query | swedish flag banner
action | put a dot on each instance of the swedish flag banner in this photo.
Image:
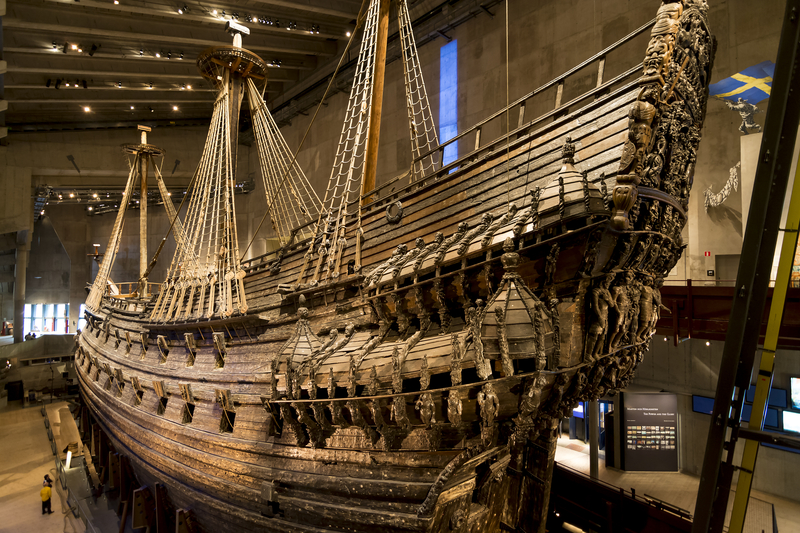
(752, 84)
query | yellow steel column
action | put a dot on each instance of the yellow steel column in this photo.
(767, 364)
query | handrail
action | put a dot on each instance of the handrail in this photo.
(558, 79)
(544, 87)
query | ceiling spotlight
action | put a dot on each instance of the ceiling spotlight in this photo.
(169, 55)
(174, 108)
(67, 84)
(214, 12)
(87, 109)
(48, 82)
(54, 46)
(151, 110)
(248, 18)
(41, 212)
(90, 208)
(150, 86)
(116, 2)
(183, 86)
(58, 82)
(74, 46)
(80, 48)
(189, 87)
(223, 13)
(94, 195)
(119, 85)
(708, 343)
(348, 34)
(141, 52)
(235, 15)
(92, 50)
(181, 55)
(132, 107)
(72, 195)
(158, 54)
(182, 10)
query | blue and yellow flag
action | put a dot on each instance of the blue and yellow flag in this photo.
(752, 84)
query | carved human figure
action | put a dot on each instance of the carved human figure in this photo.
(657, 305)
(600, 302)
(645, 307)
(622, 304)
(632, 322)
(532, 399)
(550, 264)
(426, 409)
(454, 407)
(489, 404)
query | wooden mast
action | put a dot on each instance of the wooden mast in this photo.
(374, 133)
(144, 158)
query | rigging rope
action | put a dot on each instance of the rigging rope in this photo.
(359, 21)
(420, 118)
(99, 284)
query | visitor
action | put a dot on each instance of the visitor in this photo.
(45, 494)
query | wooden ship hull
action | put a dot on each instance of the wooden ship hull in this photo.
(413, 382)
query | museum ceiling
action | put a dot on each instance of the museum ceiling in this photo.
(83, 64)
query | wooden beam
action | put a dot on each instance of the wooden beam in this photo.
(183, 521)
(374, 134)
(113, 470)
(161, 509)
(143, 508)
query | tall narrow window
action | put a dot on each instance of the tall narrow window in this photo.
(448, 99)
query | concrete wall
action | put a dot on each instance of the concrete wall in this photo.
(693, 368)
(48, 277)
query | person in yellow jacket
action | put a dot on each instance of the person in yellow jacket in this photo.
(45, 493)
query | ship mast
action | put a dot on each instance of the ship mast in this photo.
(144, 161)
(373, 136)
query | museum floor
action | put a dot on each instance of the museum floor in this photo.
(26, 458)
(680, 489)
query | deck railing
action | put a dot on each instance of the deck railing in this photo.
(517, 109)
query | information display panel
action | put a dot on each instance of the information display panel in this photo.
(651, 432)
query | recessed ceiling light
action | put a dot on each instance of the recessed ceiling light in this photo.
(132, 107)
(87, 109)
(90, 208)
(348, 34)
(158, 54)
(74, 46)
(189, 87)
(94, 195)
(71, 195)
(174, 108)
